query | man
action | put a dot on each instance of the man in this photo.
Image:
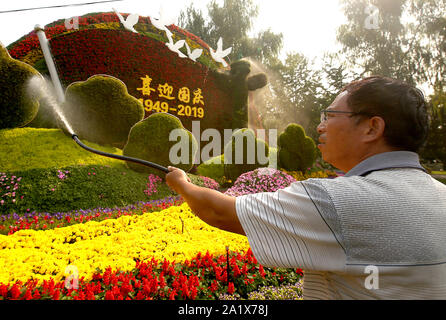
(379, 232)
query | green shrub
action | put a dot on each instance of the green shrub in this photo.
(29, 148)
(17, 106)
(238, 156)
(79, 187)
(296, 151)
(100, 110)
(273, 158)
(149, 140)
(212, 168)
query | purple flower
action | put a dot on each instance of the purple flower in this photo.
(260, 180)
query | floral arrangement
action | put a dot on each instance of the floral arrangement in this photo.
(152, 184)
(204, 276)
(14, 222)
(148, 57)
(26, 46)
(173, 234)
(260, 180)
(210, 183)
(9, 186)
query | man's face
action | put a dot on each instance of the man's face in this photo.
(339, 135)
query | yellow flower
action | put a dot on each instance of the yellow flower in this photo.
(172, 234)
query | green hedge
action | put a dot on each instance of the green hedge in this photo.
(17, 106)
(296, 151)
(84, 187)
(149, 140)
(101, 110)
(233, 169)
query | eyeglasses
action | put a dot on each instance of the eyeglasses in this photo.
(325, 112)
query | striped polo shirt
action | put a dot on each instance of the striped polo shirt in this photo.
(379, 232)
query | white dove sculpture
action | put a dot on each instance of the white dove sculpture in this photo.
(175, 47)
(220, 54)
(194, 55)
(132, 19)
(162, 22)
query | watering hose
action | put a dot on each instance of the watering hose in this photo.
(115, 156)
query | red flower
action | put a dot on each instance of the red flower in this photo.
(214, 286)
(56, 295)
(231, 288)
(109, 295)
(15, 292)
(3, 290)
(262, 271)
(172, 294)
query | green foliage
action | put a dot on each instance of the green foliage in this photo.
(53, 174)
(296, 89)
(101, 110)
(297, 152)
(435, 147)
(149, 140)
(82, 187)
(242, 153)
(406, 49)
(212, 168)
(17, 106)
(236, 83)
(30, 148)
(232, 20)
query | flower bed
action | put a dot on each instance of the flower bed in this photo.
(152, 250)
(28, 45)
(202, 277)
(14, 222)
(173, 234)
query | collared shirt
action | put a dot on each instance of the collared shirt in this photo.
(386, 160)
(386, 215)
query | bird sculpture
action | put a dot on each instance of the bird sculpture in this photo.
(219, 54)
(128, 23)
(175, 47)
(195, 54)
(162, 22)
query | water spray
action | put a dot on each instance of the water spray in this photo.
(40, 85)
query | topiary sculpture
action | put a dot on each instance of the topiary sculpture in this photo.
(150, 139)
(242, 153)
(17, 106)
(296, 151)
(212, 168)
(100, 110)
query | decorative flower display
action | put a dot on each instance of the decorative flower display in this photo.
(102, 45)
(260, 180)
(172, 234)
(32, 220)
(204, 276)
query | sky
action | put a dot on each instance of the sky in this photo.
(308, 26)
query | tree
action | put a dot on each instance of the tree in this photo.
(435, 147)
(406, 40)
(296, 90)
(232, 22)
